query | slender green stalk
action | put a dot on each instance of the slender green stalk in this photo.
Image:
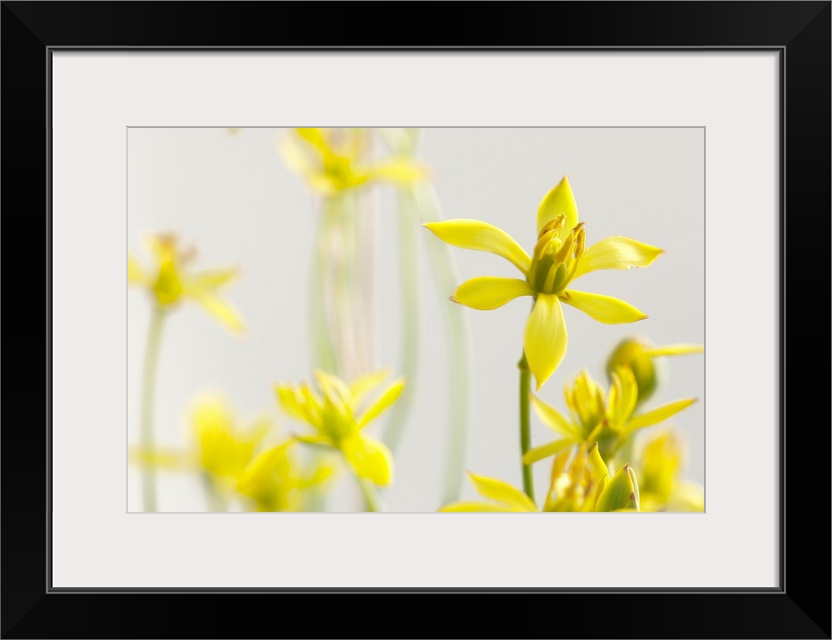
(323, 351)
(459, 349)
(216, 503)
(146, 438)
(525, 424)
(370, 496)
(410, 297)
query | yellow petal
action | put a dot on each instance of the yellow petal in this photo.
(316, 441)
(223, 312)
(558, 200)
(486, 292)
(687, 496)
(554, 419)
(623, 395)
(369, 458)
(474, 507)
(335, 390)
(171, 459)
(674, 350)
(135, 274)
(597, 462)
(544, 340)
(502, 492)
(212, 279)
(293, 403)
(658, 415)
(315, 137)
(390, 395)
(617, 252)
(401, 171)
(481, 236)
(360, 387)
(298, 158)
(545, 450)
(604, 309)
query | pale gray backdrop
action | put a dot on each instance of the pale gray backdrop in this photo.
(232, 196)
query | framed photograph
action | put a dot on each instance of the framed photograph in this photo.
(315, 314)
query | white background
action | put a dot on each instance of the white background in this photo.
(97, 95)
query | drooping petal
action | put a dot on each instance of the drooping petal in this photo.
(658, 415)
(546, 450)
(486, 292)
(502, 492)
(544, 339)
(617, 252)
(390, 395)
(558, 200)
(674, 350)
(604, 309)
(481, 236)
(212, 279)
(135, 274)
(316, 441)
(554, 419)
(223, 312)
(369, 458)
(401, 171)
(475, 507)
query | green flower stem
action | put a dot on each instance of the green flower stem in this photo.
(370, 496)
(411, 295)
(323, 350)
(459, 350)
(525, 424)
(146, 439)
(216, 503)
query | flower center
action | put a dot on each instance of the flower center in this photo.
(556, 259)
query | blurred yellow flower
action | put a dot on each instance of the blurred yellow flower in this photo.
(662, 488)
(169, 281)
(640, 355)
(237, 460)
(555, 262)
(338, 416)
(332, 161)
(608, 421)
(580, 481)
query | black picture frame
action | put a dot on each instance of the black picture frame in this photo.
(798, 608)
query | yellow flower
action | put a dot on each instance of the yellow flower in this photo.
(338, 416)
(332, 161)
(608, 421)
(640, 355)
(559, 257)
(662, 488)
(169, 281)
(580, 482)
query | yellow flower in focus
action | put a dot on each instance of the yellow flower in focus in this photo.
(559, 257)
(333, 160)
(337, 413)
(610, 421)
(169, 281)
(640, 355)
(580, 482)
(662, 488)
